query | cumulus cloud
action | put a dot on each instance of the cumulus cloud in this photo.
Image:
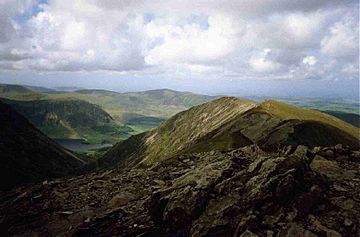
(190, 43)
(309, 60)
(342, 40)
(285, 39)
(9, 10)
(263, 63)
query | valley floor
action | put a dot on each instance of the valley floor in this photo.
(244, 192)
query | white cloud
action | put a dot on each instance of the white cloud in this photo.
(8, 10)
(190, 43)
(294, 30)
(342, 40)
(308, 39)
(309, 60)
(263, 63)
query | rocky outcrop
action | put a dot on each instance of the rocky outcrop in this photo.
(244, 192)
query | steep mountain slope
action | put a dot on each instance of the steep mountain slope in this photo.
(66, 118)
(229, 123)
(27, 155)
(136, 112)
(132, 113)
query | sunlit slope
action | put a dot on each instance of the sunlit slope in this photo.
(183, 129)
(177, 133)
(288, 112)
(229, 123)
(131, 113)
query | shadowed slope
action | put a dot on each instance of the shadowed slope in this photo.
(27, 155)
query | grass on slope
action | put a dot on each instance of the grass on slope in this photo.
(187, 126)
(71, 118)
(230, 123)
(180, 131)
(18, 92)
(132, 113)
(286, 112)
(156, 103)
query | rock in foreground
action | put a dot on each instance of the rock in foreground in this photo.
(243, 192)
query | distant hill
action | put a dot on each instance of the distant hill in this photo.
(137, 112)
(40, 89)
(157, 103)
(141, 111)
(131, 113)
(229, 123)
(27, 155)
(5, 89)
(12, 88)
(68, 118)
(20, 92)
(68, 88)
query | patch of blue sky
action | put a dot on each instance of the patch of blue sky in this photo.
(148, 17)
(36, 8)
(200, 19)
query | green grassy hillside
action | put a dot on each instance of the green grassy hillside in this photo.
(19, 92)
(71, 118)
(183, 129)
(131, 113)
(138, 112)
(287, 112)
(229, 123)
(155, 103)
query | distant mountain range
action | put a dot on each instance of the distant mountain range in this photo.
(72, 114)
(119, 115)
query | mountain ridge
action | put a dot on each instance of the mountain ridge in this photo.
(228, 167)
(230, 123)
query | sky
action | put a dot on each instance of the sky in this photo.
(300, 48)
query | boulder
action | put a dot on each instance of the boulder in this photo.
(120, 200)
(294, 230)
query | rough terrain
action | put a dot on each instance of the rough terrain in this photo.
(243, 192)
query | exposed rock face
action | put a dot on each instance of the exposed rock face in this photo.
(26, 154)
(243, 192)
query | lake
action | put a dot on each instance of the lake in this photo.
(79, 144)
